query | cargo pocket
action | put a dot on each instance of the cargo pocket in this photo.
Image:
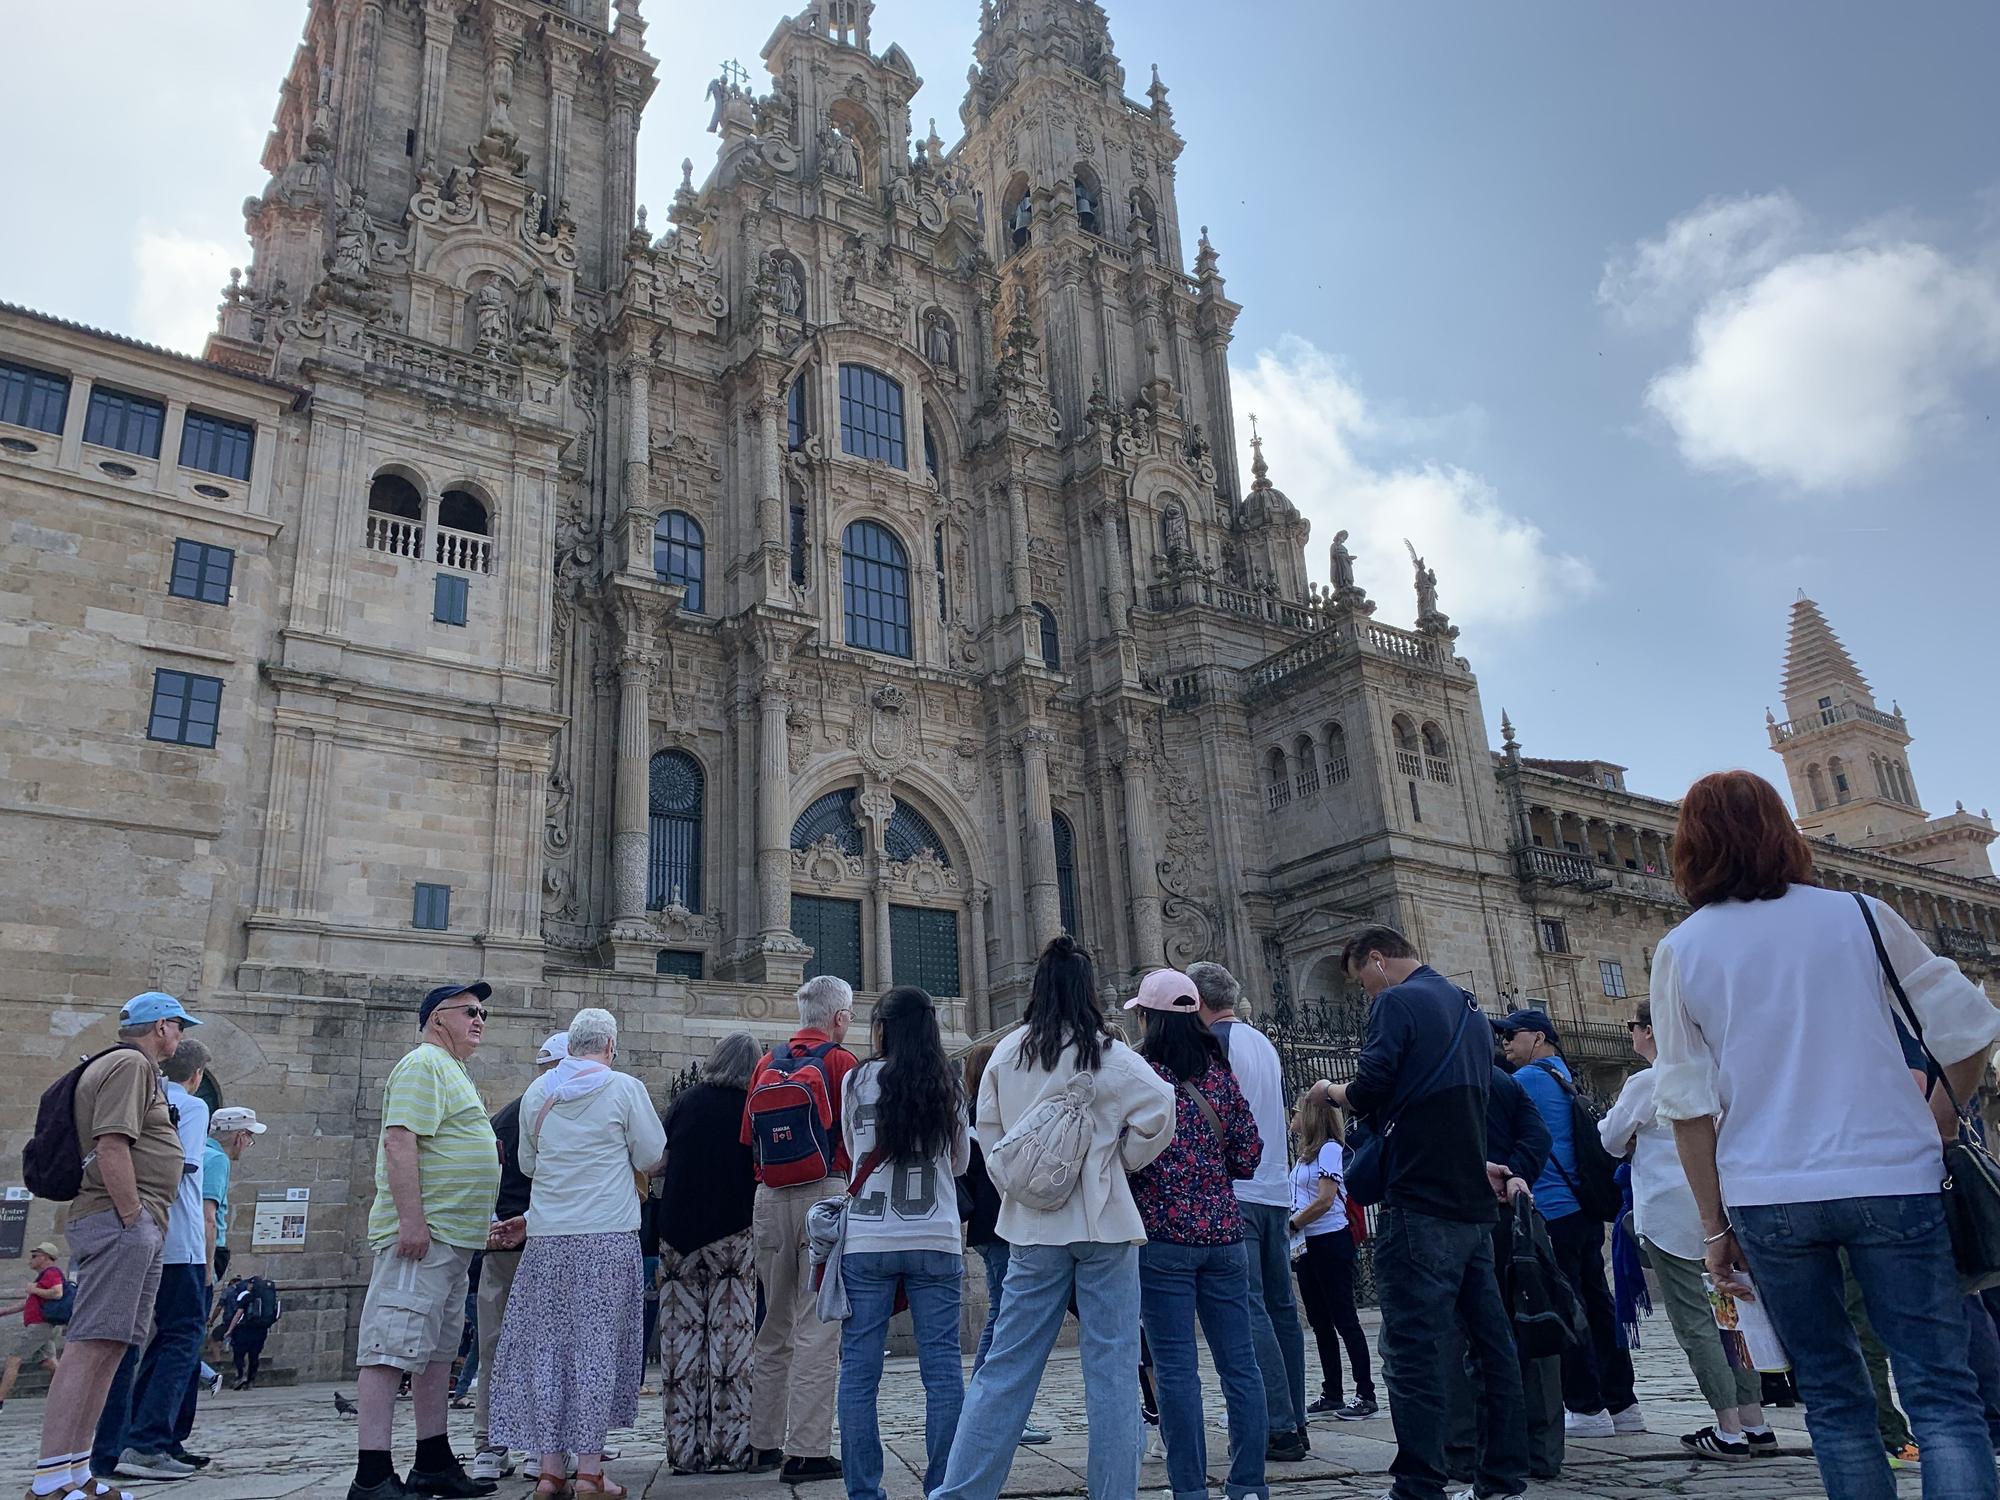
(395, 1328)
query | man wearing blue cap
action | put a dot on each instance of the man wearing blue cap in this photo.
(437, 1171)
(117, 1228)
(1597, 1376)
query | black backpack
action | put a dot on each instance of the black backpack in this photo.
(1595, 1182)
(260, 1303)
(52, 1161)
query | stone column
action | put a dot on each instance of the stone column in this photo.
(440, 21)
(771, 470)
(774, 810)
(978, 1003)
(630, 80)
(1044, 896)
(358, 93)
(638, 433)
(1017, 531)
(564, 73)
(1141, 867)
(876, 805)
(1117, 599)
(630, 836)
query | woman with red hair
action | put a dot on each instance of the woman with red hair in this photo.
(1782, 1071)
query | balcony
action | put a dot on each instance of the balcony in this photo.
(1307, 782)
(1336, 770)
(1963, 943)
(1840, 713)
(1277, 795)
(1183, 593)
(465, 550)
(395, 535)
(1410, 763)
(1546, 865)
(1437, 769)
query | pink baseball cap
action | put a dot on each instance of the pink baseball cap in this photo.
(1166, 989)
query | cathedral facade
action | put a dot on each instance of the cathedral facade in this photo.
(854, 575)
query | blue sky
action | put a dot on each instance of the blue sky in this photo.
(1635, 319)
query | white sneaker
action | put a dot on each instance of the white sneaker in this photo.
(492, 1464)
(1629, 1420)
(1589, 1424)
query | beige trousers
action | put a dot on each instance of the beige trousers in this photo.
(795, 1364)
(496, 1280)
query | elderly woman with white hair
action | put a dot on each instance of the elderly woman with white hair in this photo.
(572, 1347)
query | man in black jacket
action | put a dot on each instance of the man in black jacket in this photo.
(1422, 1079)
(1517, 1147)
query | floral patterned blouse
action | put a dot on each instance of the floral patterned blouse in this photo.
(1184, 1194)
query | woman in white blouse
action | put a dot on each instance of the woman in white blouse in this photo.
(1668, 1224)
(1772, 1012)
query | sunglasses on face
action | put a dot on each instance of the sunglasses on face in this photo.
(476, 1012)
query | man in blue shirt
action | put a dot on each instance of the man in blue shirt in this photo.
(1597, 1378)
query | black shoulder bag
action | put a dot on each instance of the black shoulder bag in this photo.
(1971, 1184)
(1368, 1163)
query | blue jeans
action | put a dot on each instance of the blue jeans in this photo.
(146, 1393)
(1177, 1283)
(994, 1258)
(1430, 1271)
(1040, 1280)
(1274, 1314)
(1901, 1257)
(933, 1281)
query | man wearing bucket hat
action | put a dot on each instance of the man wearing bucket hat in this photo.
(436, 1173)
(117, 1229)
(230, 1130)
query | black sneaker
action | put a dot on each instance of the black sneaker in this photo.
(389, 1489)
(1285, 1448)
(1762, 1444)
(1360, 1409)
(1708, 1443)
(448, 1484)
(809, 1470)
(197, 1460)
(764, 1460)
(1324, 1407)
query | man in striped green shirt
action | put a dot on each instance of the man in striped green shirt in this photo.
(437, 1171)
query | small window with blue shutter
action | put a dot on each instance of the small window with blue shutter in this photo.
(433, 907)
(449, 608)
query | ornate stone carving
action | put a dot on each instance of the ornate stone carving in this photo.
(825, 864)
(1191, 921)
(176, 969)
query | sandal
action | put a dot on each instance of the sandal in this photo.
(597, 1484)
(551, 1489)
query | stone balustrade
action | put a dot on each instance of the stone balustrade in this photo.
(1827, 718)
(465, 550)
(395, 535)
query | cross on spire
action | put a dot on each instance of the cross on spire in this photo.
(734, 74)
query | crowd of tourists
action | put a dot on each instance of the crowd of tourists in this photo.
(1142, 1173)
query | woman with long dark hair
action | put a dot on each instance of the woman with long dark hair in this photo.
(1775, 1010)
(903, 1117)
(1326, 1263)
(1193, 1263)
(1085, 1245)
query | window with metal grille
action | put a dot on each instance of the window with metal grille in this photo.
(1613, 975)
(875, 588)
(185, 708)
(431, 908)
(1555, 935)
(448, 605)
(831, 815)
(798, 519)
(871, 415)
(910, 831)
(201, 572)
(121, 420)
(832, 929)
(923, 948)
(1051, 641)
(674, 808)
(682, 963)
(33, 398)
(677, 555)
(216, 445)
(1066, 873)
(795, 414)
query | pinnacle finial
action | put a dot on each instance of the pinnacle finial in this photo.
(1260, 471)
(1507, 740)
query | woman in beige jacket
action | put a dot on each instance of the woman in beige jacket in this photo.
(1088, 1248)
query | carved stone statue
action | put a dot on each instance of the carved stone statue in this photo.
(1427, 588)
(353, 238)
(1343, 563)
(490, 309)
(791, 293)
(838, 152)
(938, 342)
(541, 301)
(1176, 531)
(903, 192)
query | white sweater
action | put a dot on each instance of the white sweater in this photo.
(1132, 1120)
(1663, 1206)
(1775, 1015)
(583, 1155)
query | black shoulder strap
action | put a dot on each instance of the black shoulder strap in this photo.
(1450, 1052)
(1903, 1000)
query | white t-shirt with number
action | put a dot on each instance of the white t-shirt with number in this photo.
(905, 1205)
(1306, 1178)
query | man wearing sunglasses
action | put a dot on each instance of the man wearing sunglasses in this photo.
(437, 1171)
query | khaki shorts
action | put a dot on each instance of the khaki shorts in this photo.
(35, 1342)
(117, 1273)
(415, 1309)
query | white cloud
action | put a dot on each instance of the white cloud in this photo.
(1722, 243)
(1828, 368)
(179, 280)
(1494, 567)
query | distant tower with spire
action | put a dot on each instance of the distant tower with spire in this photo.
(1848, 760)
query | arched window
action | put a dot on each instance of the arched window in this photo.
(1902, 778)
(1336, 755)
(1277, 779)
(1838, 771)
(461, 510)
(796, 516)
(1088, 214)
(673, 806)
(393, 495)
(1305, 776)
(1051, 641)
(871, 415)
(937, 561)
(930, 451)
(796, 430)
(875, 589)
(1409, 752)
(677, 555)
(909, 832)
(1019, 214)
(1816, 786)
(830, 816)
(1066, 873)
(1437, 753)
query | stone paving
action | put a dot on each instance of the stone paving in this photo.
(288, 1443)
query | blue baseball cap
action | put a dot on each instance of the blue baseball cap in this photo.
(479, 990)
(1533, 1019)
(154, 1005)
